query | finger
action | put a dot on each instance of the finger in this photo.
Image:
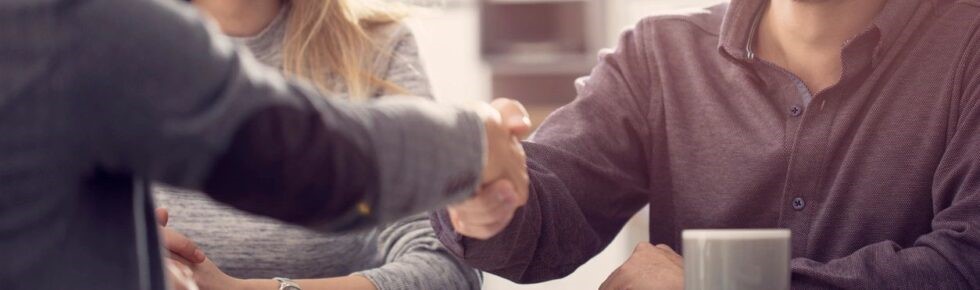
(489, 206)
(484, 232)
(514, 115)
(496, 195)
(181, 245)
(486, 217)
(162, 216)
(516, 172)
(671, 254)
(179, 259)
(642, 246)
(455, 221)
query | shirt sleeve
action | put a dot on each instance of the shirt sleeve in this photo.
(946, 258)
(587, 165)
(168, 98)
(415, 259)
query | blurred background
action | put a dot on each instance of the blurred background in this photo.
(532, 51)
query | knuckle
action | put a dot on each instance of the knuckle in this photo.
(185, 244)
(641, 247)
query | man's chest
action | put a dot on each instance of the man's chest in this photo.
(769, 153)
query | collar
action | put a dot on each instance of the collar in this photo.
(742, 18)
(896, 17)
(738, 28)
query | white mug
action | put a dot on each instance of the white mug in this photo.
(730, 259)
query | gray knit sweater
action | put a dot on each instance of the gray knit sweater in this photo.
(404, 255)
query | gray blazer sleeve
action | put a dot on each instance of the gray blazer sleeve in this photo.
(166, 97)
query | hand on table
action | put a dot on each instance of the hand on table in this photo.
(175, 242)
(505, 180)
(648, 268)
(186, 258)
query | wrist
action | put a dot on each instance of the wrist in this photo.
(257, 284)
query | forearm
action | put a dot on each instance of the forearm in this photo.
(315, 164)
(424, 269)
(353, 282)
(935, 265)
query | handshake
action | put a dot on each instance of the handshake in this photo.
(503, 189)
(504, 183)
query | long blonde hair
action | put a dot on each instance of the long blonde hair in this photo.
(327, 38)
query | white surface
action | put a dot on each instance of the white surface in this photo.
(593, 273)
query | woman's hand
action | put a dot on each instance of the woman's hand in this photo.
(184, 254)
(178, 244)
(209, 277)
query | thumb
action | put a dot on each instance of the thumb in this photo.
(514, 115)
(506, 191)
(162, 216)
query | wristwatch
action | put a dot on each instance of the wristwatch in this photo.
(287, 284)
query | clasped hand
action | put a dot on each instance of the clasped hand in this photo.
(504, 186)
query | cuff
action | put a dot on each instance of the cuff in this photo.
(376, 278)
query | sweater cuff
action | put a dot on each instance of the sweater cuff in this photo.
(378, 279)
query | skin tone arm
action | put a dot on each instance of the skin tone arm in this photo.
(187, 260)
(350, 282)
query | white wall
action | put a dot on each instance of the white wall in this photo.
(449, 42)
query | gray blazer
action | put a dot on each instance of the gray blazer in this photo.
(97, 95)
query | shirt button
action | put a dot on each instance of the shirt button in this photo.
(798, 203)
(795, 111)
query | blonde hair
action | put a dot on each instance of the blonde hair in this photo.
(327, 38)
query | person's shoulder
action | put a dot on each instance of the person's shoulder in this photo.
(391, 36)
(694, 22)
(393, 40)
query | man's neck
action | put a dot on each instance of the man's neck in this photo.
(806, 36)
(241, 18)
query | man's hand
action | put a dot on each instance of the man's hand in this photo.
(177, 243)
(505, 179)
(649, 268)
